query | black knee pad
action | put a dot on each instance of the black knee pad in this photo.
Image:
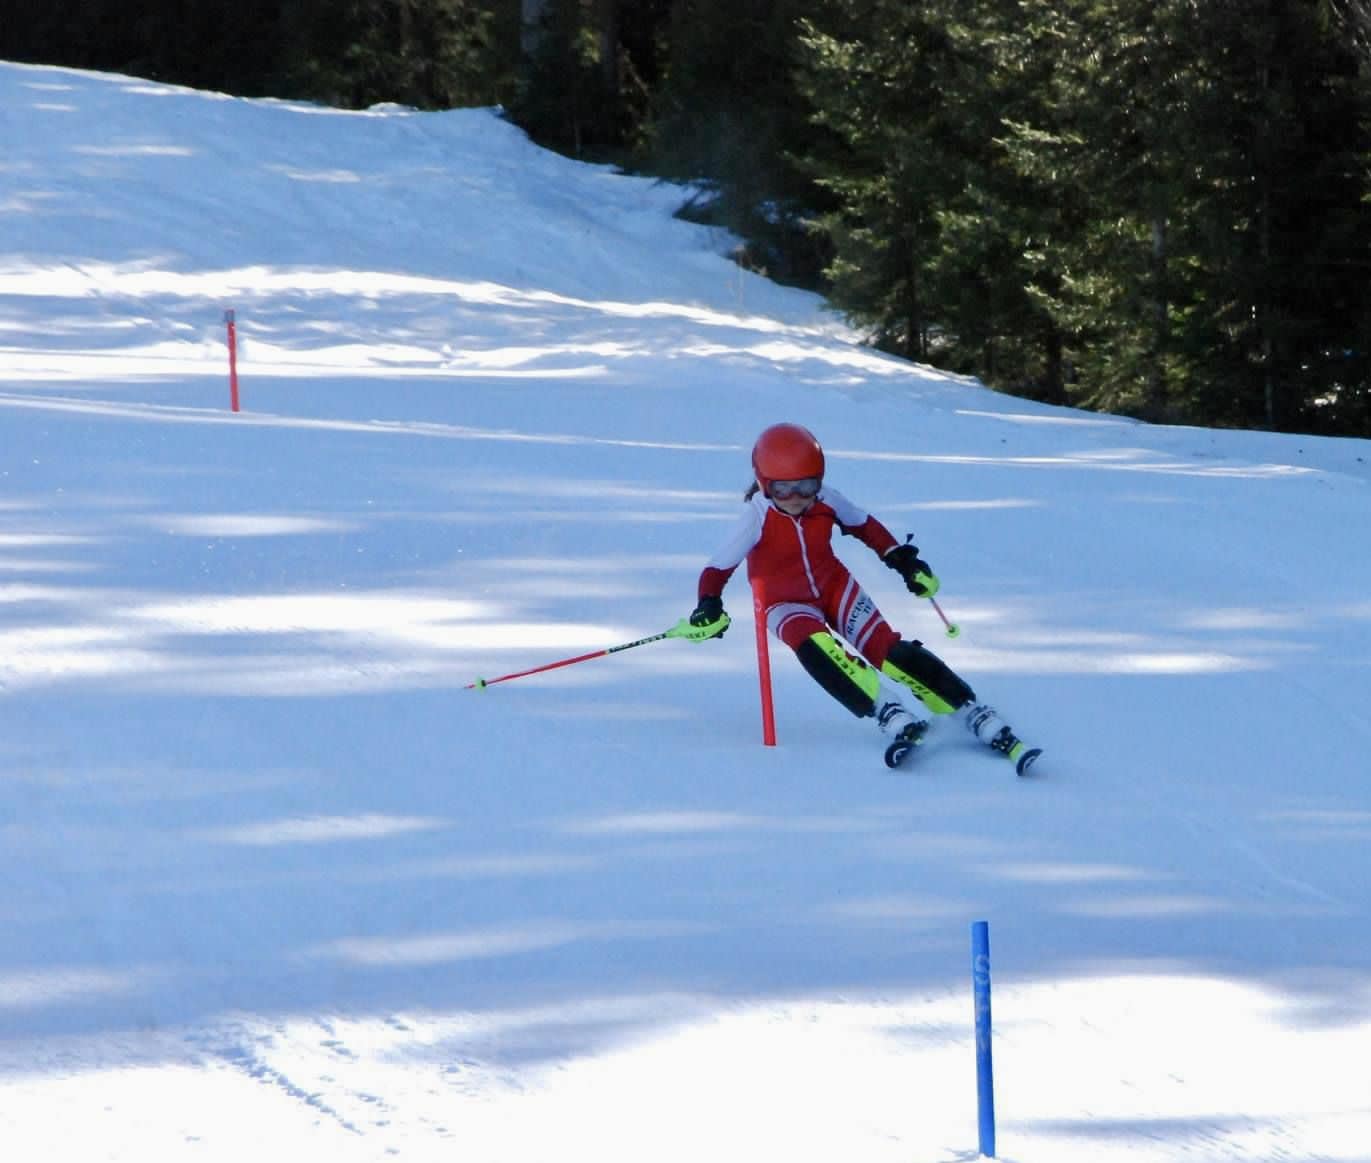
(929, 672)
(847, 679)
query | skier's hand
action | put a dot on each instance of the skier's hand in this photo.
(708, 619)
(919, 577)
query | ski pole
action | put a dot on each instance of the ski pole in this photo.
(682, 629)
(952, 628)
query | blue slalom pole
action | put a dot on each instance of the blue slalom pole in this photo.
(985, 1073)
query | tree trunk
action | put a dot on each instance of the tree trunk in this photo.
(607, 31)
(916, 343)
(531, 25)
(1265, 313)
(1053, 386)
(1156, 374)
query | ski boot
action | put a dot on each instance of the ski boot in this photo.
(983, 722)
(908, 732)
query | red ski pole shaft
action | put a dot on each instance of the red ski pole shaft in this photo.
(952, 628)
(482, 683)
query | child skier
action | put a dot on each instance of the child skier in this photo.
(815, 606)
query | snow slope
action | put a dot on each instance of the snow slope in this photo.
(276, 886)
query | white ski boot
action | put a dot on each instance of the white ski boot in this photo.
(984, 722)
(907, 730)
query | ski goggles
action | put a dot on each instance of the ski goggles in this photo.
(784, 490)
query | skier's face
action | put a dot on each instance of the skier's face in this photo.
(792, 506)
(794, 497)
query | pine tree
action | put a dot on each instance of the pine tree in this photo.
(877, 77)
(432, 54)
(1289, 203)
(726, 115)
(1192, 177)
(580, 90)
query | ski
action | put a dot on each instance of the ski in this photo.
(912, 735)
(899, 751)
(905, 744)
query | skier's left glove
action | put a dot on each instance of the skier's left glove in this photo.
(708, 619)
(919, 577)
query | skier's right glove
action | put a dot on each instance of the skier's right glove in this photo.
(919, 577)
(708, 619)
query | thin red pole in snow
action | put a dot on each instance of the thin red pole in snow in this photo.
(233, 359)
(763, 666)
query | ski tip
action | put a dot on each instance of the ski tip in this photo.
(1027, 760)
(908, 740)
(897, 753)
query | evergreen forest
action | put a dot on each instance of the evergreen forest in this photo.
(1160, 208)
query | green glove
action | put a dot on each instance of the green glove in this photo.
(919, 578)
(708, 619)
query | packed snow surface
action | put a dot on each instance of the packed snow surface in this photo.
(277, 885)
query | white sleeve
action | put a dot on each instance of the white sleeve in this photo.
(746, 533)
(849, 515)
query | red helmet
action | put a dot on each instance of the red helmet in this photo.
(786, 452)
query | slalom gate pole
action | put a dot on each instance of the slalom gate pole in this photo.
(764, 667)
(680, 630)
(233, 359)
(985, 1075)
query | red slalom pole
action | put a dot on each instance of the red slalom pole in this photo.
(682, 629)
(233, 359)
(764, 667)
